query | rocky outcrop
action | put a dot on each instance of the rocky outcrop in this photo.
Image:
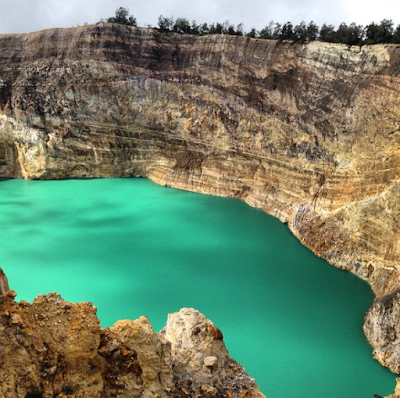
(53, 348)
(382, 329)
(4, 289)
(308, 133)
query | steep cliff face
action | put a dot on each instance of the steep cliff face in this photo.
(308, 133)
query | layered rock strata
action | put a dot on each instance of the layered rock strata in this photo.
(53, 348)
(308, 133)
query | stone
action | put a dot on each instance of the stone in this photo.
(16, 319)
(51, 370)
(210, 361)
(208, 390)
(200, 361)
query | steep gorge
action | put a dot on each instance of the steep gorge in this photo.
(308, 133)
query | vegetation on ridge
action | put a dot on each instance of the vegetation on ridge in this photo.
(351, 34)
(122, 17)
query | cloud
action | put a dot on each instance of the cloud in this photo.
(30, 15)
(372, 11)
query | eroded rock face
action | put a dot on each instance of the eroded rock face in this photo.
(200, 360)
(382, 328)
(53, 348)
(308, 133)
(4, 289)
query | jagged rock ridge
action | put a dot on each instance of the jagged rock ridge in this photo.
(53, 348)
(308, 133)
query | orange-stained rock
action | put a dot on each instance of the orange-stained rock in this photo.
(53, 348)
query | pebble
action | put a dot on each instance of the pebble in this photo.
(210, 361)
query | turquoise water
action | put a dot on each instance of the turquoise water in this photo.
(134, 248)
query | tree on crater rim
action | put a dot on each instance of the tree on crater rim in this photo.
(122, 17)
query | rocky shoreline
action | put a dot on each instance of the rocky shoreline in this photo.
(308, 133)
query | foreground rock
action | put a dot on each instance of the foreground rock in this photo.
(52, 348)
(308, 133)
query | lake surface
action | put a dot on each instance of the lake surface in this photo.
(134, 248)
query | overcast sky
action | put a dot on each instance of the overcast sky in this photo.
(18, 16)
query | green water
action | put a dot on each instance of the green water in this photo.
(134, 248)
